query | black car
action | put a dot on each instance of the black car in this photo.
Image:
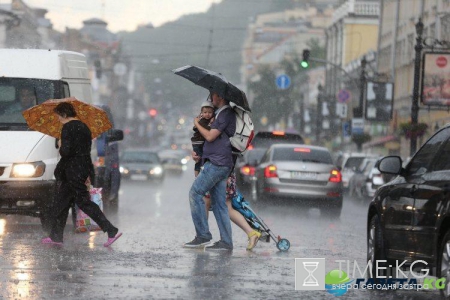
(409, 217)
(245, 167)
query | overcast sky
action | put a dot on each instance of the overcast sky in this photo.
(119, 14)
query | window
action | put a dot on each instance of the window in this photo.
(421, 162)
(140, 157)
(443, 163)
(302, 154)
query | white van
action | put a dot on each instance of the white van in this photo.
(50, 75)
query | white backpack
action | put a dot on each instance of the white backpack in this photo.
(244, 130)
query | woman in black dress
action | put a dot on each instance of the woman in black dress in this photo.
(74, 171)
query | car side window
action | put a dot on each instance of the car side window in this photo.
(443, 163)
(423, 159)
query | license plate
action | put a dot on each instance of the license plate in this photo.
(138, 177)
(303, 175)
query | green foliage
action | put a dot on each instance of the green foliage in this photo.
(409, 130)
(273, 103)
(360, 139)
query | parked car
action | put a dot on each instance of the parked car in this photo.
(264, 139)
(141, 164)
(349, 163)
(409, 217)
(302, 172)
(361, 184)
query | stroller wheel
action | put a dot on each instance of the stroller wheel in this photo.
(283, 245)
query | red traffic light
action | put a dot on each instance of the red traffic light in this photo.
(152, 112)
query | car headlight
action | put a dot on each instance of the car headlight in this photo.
(156, 170)
(123, 170)
(183, 161)
(26, 170)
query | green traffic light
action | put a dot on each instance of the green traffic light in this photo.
(304, 64)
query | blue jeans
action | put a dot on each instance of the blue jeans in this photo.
(213, 179)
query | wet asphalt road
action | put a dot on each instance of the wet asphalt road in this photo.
(149, 260)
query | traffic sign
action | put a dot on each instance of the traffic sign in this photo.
(283, 81)
(357, 126)
(341, 110)
(346, 129)
(344, 96)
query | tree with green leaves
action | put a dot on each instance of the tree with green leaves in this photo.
(271, 102)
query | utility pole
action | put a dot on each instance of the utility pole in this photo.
(362, 86)
(415, 97)
(211, 33)
(319, 113)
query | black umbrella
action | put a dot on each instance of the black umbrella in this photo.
(237, 96)
(212, 81)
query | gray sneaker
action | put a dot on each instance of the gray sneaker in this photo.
(219, 246)
(197, 242)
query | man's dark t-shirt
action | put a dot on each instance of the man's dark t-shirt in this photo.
(219, 151)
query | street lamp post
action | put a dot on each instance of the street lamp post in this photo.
(362, 85)
(319, 112)
(415, 97)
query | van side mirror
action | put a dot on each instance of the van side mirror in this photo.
(114, 135)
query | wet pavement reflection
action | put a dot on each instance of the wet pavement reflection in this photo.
(150, 262)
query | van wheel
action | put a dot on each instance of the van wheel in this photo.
(443, 269)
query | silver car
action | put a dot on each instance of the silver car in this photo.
(302, 172)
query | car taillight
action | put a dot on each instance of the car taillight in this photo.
(270, 171)
(335, 176)
(250, 147)
(248, 170)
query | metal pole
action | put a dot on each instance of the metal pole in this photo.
(415, 97)
(362, 85)
(319, 113)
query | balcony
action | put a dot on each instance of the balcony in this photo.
(358, 8)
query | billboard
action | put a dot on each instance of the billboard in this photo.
(436, 79)
(379, 101)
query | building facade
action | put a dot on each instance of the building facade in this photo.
(397, 40)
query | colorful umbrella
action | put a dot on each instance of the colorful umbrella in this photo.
(42, 118)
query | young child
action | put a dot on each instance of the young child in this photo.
(207, 114)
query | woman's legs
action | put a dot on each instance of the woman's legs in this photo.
(238, 219)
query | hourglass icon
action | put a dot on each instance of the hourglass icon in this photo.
(310, 267)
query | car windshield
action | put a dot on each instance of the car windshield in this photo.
(17, 95)
(140, 157)
(254, 155)
(302, 154)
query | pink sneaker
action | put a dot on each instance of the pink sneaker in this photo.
(112, 240)
(49, 241)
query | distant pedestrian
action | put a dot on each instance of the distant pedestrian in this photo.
(218, 163)
(74, 171)
(207, 116)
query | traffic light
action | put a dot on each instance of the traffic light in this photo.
(152, 112)
(305, 61)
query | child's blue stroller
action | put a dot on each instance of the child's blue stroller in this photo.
(238, 202)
